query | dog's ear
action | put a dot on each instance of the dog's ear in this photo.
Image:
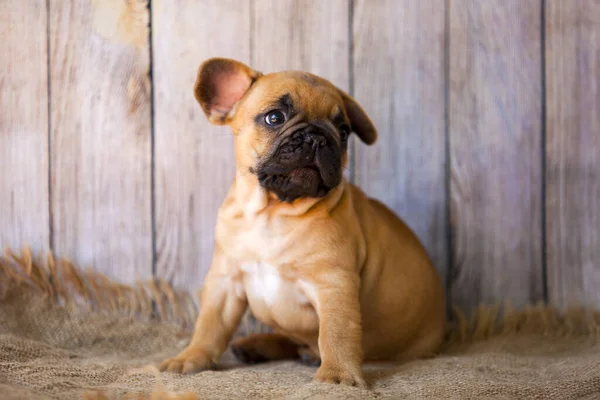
(359, 120)
(220, 84)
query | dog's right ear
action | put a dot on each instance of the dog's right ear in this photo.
(220, 84)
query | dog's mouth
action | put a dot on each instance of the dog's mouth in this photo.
(304, 164)
(310, 170)
(298, 182)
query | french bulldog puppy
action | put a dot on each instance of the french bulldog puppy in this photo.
(337, 275)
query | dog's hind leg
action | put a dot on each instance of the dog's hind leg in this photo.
(309, 357)
(262, 347)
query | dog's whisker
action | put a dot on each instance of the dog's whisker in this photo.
(245, 171)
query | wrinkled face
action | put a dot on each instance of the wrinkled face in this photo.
(291, 128)
(292, 132)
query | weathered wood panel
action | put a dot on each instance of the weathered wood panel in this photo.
(307, 35)
(194, 164)
(101, 135)
(573, 151)
(495, 151)
(23, 125)
(399, 79)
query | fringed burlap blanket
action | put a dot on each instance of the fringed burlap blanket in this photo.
(69, 334)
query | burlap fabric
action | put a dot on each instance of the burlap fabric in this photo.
(66, 334)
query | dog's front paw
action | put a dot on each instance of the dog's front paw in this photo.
(189, 361)
(340, 375)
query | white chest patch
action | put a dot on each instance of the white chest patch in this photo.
(263, 281)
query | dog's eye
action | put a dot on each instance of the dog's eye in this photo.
(344, 131)
(275, 118)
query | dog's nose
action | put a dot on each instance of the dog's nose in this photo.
(315, 139)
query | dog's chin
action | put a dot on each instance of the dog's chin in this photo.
(304, 182)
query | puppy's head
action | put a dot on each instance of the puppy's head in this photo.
(291, 128)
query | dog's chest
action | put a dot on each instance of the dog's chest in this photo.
(264, 285)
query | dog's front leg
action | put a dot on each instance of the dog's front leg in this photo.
(221, 310)
(340, 329)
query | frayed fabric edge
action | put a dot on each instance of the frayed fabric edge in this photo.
(63, 284)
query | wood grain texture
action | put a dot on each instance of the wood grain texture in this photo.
(194, 164)
(399, 79)
(307, 35)
(23, 125)
(495, 151)
(573, 151)
(101, 135)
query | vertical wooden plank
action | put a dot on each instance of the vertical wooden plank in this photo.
(399, 79)
(495, 151)
(101, 132)
(23, 125)
(573, 151)
(194, 164)
(307, 35)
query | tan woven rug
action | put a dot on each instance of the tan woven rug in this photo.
(68, 334)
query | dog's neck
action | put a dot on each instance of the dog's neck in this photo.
(255, 200)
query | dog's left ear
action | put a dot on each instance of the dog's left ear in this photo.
(220, 84)
(359, 120)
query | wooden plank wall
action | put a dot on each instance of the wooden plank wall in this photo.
(495, 135)
(100, 135)
(487, 113)
(24, 125)
(573, 151)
